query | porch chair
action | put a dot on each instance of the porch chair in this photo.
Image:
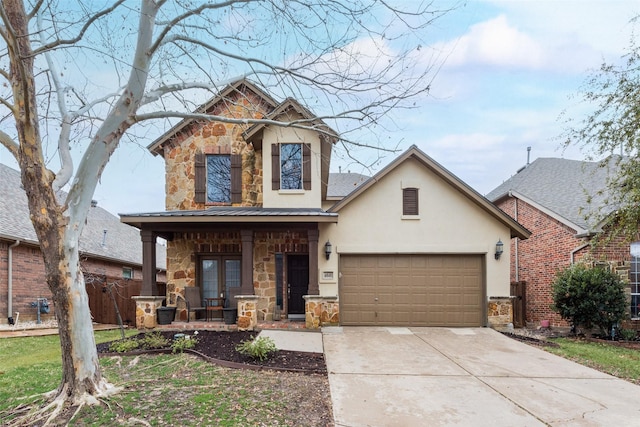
(194, 301)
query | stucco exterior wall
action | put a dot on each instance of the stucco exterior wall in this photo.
(448, 223)
(292, 198)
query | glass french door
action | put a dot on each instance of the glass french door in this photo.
(218, 275)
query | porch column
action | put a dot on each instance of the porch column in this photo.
(246, 284)
(312, 236)
(149, 285)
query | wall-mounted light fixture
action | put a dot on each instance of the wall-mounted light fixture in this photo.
(499, 248)
(327, 249)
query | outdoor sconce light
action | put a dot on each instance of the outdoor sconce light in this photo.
(327, 249)
(499, 248)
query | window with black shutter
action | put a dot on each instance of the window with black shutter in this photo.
(218, 178)
(291, 166)
(410, 201)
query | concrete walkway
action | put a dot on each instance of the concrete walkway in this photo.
(465, 377)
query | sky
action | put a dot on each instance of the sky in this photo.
(511, 69)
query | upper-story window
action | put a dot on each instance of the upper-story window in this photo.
(218, 178)
(410, 201)
(291, 166)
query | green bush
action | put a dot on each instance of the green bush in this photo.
(627, 334)
(259, 348)
(183, 343)
(590, 297)
(123, 346)
(153, 340)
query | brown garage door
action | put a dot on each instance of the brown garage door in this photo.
(412, 290)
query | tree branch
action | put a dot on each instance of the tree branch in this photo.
(83, 30)
(9, 144)
(197, 11)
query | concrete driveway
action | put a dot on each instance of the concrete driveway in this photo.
(465, 377)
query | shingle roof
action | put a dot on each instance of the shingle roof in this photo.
(122, 242)
(341, 184)
(570, 189)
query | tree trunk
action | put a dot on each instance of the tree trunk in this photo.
(57, 233)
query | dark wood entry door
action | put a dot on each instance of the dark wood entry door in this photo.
(297, 282)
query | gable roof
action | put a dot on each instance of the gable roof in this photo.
(122, 242)
(567, 190)
(414, 152)
(156, 146)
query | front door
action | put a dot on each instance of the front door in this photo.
(297, 283)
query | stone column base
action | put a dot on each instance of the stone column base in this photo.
(321, 311)
(500, 311)
(247, 312)
(146, 306)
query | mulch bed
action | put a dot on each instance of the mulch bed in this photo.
(220, 347)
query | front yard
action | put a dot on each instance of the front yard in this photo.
(168, 389)
(617, 361)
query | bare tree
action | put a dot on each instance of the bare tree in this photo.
(80, 76)
(610, 130)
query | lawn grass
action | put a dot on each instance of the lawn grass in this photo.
(32, 365)
(161, 389)
(617, 361)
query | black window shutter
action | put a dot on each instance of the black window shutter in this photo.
(200, 178)
(306, 166)
(236, 178)
(410, 201)
(275, 167)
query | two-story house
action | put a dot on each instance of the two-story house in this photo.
(249, 217)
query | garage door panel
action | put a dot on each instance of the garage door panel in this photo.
(412, 290)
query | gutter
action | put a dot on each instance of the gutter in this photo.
(515, 214)
(10, 283)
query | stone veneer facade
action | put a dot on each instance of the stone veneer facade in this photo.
(184, 249)
(213, 138)
(500, 311)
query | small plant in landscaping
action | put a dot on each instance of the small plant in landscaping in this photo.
(154, 340)
(181, 344)
(590, 297)
(123, 346)
(259, 348)
(627, 334)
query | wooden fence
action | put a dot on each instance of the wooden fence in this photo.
(519, 291)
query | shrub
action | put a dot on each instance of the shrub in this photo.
(181, 344)
(259, 348)
(627, 334)
(589, 297)
(154, 340)
(123, 346)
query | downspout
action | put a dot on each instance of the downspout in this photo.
(515, 245)
(573, 252)
(10, 283)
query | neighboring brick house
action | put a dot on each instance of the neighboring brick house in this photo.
(558, 200)
(255, 219)
(109, 250)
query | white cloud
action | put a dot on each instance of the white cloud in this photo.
(494, 43)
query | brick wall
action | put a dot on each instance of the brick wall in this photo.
(29, 279)
(547, 251)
